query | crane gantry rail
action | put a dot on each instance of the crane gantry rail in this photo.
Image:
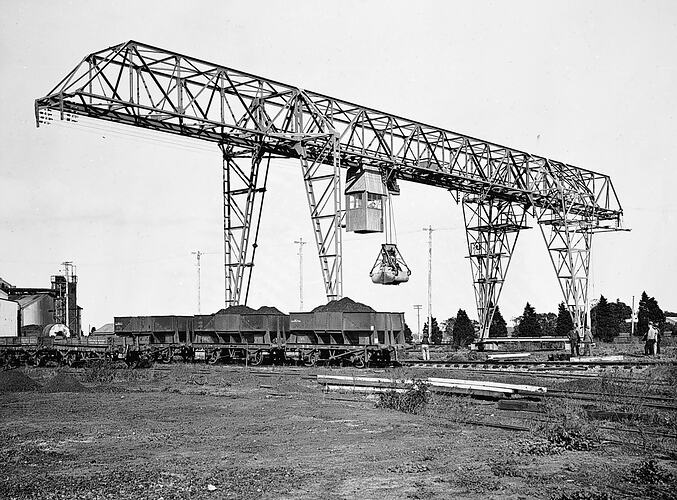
(254, 119)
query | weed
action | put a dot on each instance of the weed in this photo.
(101, 373)
(649, 472)
(414, 400)
(568, 428)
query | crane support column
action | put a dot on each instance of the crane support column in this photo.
(244, 186)
(569, 243)
(322, 179)
(492, 227)
(320, 154)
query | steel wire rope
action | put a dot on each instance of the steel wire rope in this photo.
(129, 132)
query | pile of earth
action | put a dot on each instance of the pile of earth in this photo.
(16, 381)
(249, 310)
(64, 383)
(346, 304)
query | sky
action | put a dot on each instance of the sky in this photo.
(588, 83)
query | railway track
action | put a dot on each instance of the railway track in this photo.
(537, 365)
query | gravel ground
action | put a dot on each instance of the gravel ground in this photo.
(217, 432)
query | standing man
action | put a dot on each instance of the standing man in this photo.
(425, 349)
(651, 336)
(587, 342)
(573, 341)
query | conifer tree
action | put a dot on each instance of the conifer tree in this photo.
(528, 325)
(648, 311)
(564, 322)
(498, 326)
(604, 325)
(463, 332)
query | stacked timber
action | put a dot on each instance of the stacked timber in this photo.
(440, 385)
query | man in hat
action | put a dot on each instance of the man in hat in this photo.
(651, 337)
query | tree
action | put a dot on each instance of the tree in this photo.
(548, 322)
(648, 311)
(604, 324)
(564, 322)
(498, 326)
(448, 330)
(463, 331)
(436, 337)
(621, 312)
(408, 337)
(529, 325)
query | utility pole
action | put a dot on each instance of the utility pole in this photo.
(430, 278)
(300, 243)
(633, 317)
(418, 319)
(198, 254)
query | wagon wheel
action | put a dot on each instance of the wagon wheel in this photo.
(213, 358)
(358, 362)
(310, 360)
(71, 358)
(38, 359)
(256, 358)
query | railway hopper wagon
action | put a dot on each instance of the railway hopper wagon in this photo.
(264, 335)
(358, 338)
(249, 337)
(155, 338)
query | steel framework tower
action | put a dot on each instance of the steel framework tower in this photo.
(254, 119)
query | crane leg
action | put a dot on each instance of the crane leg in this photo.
(322, 178)
(245, 174)
(492, 227)
(569, 241)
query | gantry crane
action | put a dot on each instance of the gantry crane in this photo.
(253, 120)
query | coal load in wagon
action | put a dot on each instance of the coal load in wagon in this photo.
(63, 383)
(237, 310)
(269, 310)
(16, 381)
(346, 304)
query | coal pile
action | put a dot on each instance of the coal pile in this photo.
(244, 310)
(237, 310)
(64, 383)
(16, 381)
(268, 310)
(346, 304)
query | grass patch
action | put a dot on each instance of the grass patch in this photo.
(413, 400)
(649, 472)
(567, 428)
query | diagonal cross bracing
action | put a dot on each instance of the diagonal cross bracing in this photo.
(492, 227)
(148, 87)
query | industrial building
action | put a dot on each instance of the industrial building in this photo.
(28, 311)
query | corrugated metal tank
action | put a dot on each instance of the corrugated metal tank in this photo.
(36, 309)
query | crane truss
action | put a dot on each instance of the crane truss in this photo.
(152, 88)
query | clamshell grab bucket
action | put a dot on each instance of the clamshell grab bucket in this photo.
(389, 268)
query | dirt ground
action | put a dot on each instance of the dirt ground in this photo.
(226, 432)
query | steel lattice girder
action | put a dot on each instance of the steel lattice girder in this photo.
(492, 228)
(244, 188)
(149, 87)
(152, 88)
